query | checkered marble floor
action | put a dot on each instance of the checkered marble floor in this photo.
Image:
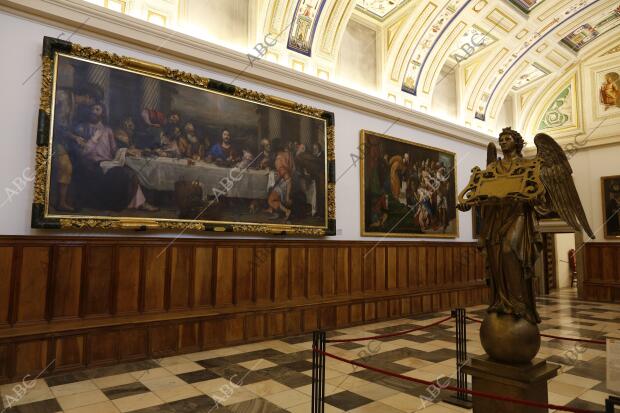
(275, 376)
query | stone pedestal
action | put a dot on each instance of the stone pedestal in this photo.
(521, 381)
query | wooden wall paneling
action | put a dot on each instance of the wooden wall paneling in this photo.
(69, 353)
(102, 348)
(416, 304)
(471, 259)
(163, 340)
(431, 266)
(382, 309)
(6, 271)
(33, 280)
(608, 263)
(357, 269)
(328, 317)
(233, 330)
(128, 279)
(328, 279)
(97, 298)
(154, 278)
(310, 319)
(181, 277)
(275, 324)
(448, 269)
(394, 307)
(189, 337)
(405, 306)
(427, 306)
(403, 267)
(5, 361)
(413, 267)
(254, 327)
(436, 302)
(342, 315)
(293, 322)
(213, 334)
(282, 273)
(423, 268)
(315, 269)
(464, 263)
(31, 357)
(298, 273)
(441, 264)
(67, 282)
(203, 277)
(133, 343)
(263, 260)
(224, 276)
(244, 275)
(479, 264)
(370, 311)
(343, 276)
(380, 267)
(368, 259)
(357, 313)
(392, 268)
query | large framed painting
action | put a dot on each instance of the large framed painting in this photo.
(407, 189)
(124, 143)
(610, 187)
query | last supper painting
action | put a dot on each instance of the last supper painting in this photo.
(134, 144)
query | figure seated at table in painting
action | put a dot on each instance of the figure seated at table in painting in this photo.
(190, 146)
(115, 188)
(223, 153)
(169, 142)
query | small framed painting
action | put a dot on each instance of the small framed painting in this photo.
(407, 189)
(610, 188)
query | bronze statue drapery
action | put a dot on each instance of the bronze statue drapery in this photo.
(511, 192)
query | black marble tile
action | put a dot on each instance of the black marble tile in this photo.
(162, 408)
(348, 346)
(592, 369)
(252, 355)
(66, 378)
(436, 356)
(44, 406)
(290, 378)
(214, 362)
(199, 375)
(603, 388)
(125, 390)
(301, 365)
(198, 404)
(297, 339)
(255, 406)
(122, 368)
(582, 404)
(231, 372)
(346, 400)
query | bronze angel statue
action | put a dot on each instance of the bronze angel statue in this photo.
(512, 193)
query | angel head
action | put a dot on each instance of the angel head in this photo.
(511, 141)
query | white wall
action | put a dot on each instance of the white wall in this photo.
(589, 165)
(563, 243)
(20, 84)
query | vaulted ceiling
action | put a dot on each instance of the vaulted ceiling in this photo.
(485, 64)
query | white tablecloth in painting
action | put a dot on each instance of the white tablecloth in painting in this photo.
(162, 173)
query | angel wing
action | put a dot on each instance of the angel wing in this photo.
(556, 176)
(491, 153)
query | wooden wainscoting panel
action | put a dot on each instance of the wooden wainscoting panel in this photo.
(31, 358)
(244, 275)
(67, 282)
(263, 260)
(164, 340)
(98, 281)
(6, 271)
(203, 277)
(69, 353)
(128, 280)
(282, 272)
(103, 348)
(33, 281)
(601, 278)
(104, 300)
(154, 270)
(224, 276)
(181, 277)
(133, 343)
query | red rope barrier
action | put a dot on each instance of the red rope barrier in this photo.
(400, 333)
(583, 340)
(458, 389)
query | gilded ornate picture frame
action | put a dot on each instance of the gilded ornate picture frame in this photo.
(127, 144)
(406, 189)
(610, 191)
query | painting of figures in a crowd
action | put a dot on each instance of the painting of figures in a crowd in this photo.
(611, 205)
(127, 145)
(408, 190)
